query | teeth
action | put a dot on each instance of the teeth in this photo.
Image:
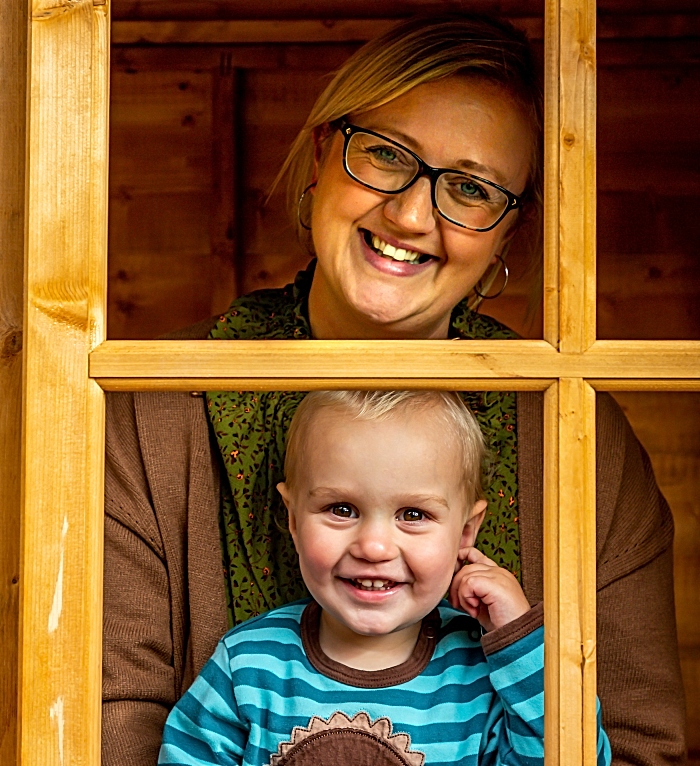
(397, 253)
(374, 584)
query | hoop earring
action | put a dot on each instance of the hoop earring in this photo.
(301, 199)
(505, 282)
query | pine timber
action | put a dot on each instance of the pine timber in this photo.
(135, 363)
(63, 418)
(64, 323)
(569, 574)
(13, 65)
(570, 262)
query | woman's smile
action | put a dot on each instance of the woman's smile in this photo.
(393, 257)
(389, 265)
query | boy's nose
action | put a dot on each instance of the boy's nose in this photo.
(374, 542)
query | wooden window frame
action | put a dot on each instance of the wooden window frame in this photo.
(69, 364)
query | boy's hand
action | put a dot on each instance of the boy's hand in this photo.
(486, 591)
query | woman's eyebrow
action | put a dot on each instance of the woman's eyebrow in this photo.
(470, 165)
(477, 167)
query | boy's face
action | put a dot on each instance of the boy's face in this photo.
(378, 514)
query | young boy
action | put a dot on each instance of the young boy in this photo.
(383, 491)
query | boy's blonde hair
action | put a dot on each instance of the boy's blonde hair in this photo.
(382, 405)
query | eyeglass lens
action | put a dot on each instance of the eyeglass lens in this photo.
(459, 197)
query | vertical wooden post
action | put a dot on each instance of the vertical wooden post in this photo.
(570, 175)
(577, 175)
(63, 418)
(570, 595)
(551, 173)
(13, 75)
(570, 305)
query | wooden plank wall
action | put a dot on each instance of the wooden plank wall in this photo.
(187, 230)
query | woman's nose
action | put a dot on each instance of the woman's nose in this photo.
(374, 542)
(412, 210)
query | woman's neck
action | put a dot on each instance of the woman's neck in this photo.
(366, 652)
(330, 319)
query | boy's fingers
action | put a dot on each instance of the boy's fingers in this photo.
(475, 556)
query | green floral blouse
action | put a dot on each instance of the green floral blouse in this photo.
(260, 563)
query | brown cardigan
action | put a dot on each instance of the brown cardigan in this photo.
(164, 602)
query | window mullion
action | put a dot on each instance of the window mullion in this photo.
(570, 574)
(63, 410)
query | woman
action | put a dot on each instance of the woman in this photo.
(415, 169)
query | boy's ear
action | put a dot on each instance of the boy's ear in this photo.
(471, 527)
(283, 489)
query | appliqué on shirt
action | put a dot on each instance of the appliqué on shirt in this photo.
(345, 741)
(259, 560)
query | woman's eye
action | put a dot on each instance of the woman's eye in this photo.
(471, 190)
(411, 514)
(385, 155)
(343, 511)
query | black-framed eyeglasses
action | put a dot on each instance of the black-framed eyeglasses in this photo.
(386, 166)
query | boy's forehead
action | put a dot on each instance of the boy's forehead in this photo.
(406, 450)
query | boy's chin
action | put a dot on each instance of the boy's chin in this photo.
(372, 625)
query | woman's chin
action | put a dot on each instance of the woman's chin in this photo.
(393, 314)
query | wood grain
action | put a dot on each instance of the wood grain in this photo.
(334, 9)
(248, 32)
(570, 574)
(577, 166)
(309, 360)
(13, 67)
(226, 187)
(314, 30)
(170, 207)
(311, 9)
(552, 170)
(63, 418)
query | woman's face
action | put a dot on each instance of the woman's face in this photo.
(459, 122)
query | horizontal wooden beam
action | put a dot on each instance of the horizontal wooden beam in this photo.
(247, 32)
(197, 385)
(197, 365)
(297, 57)
(301, 9)
(362, 9)
(264, 31)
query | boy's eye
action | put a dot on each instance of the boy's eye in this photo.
(411, 514)
(343, 511)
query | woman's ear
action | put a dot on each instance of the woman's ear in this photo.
(471, 526)
(320, 134)
(283, 489)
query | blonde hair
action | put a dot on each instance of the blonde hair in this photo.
(382, 405)
(413, 52)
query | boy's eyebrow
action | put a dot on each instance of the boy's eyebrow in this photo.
(420, 499)
(406, 500)
(328, 491)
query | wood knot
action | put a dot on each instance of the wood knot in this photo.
(11, 344)
(569, 140)
(587, 52)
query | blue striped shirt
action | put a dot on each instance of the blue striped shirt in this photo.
(260, 696)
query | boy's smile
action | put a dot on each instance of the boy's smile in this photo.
(378, 513)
